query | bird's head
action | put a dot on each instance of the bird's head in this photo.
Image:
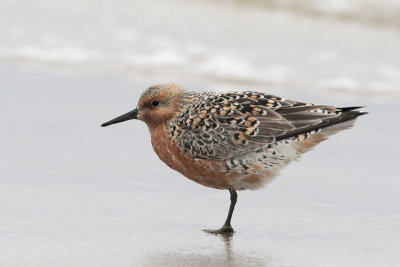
(157, 104)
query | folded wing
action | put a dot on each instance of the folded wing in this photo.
(221, 126)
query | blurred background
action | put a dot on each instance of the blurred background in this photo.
(75, 194)
(335, 45)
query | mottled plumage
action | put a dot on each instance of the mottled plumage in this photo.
(235, 140)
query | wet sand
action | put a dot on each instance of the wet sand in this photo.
(75, 194)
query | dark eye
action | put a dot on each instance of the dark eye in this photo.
(155, 103)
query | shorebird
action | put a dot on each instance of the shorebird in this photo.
(235, 140)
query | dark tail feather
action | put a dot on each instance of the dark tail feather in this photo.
(345, 109)
(330, 126)
(349, 113)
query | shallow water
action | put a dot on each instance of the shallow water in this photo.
(351, 47)
(75, 194)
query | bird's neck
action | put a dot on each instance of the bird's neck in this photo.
(160, 141)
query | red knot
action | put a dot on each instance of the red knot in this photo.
(234, 140)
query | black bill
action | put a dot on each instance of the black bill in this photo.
(131, 115)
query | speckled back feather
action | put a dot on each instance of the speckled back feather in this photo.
(224, 125)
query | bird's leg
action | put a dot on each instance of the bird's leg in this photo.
(227, 228)
(227, 225)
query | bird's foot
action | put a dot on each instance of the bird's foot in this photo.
(224, 230)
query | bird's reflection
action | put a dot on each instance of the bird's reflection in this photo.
(225, 257)
(227, 239)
